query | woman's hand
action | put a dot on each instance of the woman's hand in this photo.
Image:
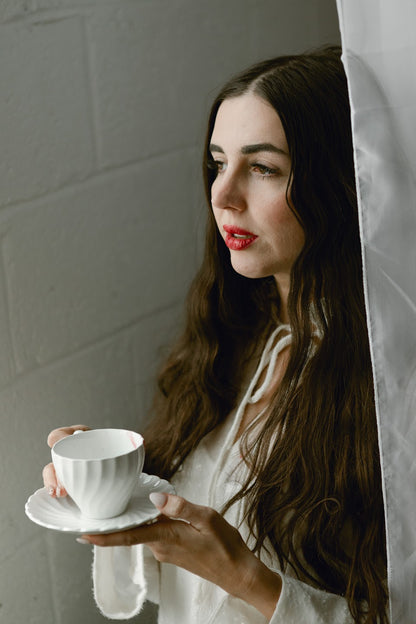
(201, 541)
(56, 489)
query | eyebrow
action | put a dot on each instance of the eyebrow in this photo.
(252, 149)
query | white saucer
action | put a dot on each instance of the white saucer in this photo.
(62, 514)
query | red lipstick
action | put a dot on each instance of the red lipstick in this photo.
(237, 238)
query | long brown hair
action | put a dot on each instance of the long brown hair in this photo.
(319, 484)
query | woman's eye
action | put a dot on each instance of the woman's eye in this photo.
(217, 165)
(264, 170)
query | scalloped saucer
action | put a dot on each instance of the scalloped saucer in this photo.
(62, 514)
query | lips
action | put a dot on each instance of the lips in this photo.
(237, 238)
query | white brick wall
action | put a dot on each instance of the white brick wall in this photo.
(102, 117)
(47, 141)
(96, 257)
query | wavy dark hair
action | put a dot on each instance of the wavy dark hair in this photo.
(316, 495)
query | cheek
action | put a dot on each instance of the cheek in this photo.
(279, 215)
(287, 228)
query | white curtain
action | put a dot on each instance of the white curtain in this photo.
(379, 55)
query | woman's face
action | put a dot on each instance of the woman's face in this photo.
(248, 196)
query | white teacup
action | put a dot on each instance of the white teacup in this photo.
(99, 469)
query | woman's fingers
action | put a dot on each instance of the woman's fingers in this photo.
(62, 432)
(55, 489)
(163, 530)
(181, 519)
(200, 517)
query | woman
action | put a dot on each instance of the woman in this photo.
(265, 420)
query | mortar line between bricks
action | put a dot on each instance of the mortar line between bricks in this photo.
(50, 15)
(91, 89)
(92, 178)
(86, 347)
(7, 299)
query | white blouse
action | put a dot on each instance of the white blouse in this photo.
(124, 577)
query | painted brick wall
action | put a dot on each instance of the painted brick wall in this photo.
(102, 115)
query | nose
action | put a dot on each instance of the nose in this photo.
(227, 191)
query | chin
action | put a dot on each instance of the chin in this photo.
(249, 272)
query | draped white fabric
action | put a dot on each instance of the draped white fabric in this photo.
(379, 54)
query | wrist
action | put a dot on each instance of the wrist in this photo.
(260, 587)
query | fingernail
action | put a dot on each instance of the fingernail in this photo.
(58, 492)
(81, 540)
(51, 491)
(158, 499)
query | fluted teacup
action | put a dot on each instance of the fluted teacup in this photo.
(99, 469)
